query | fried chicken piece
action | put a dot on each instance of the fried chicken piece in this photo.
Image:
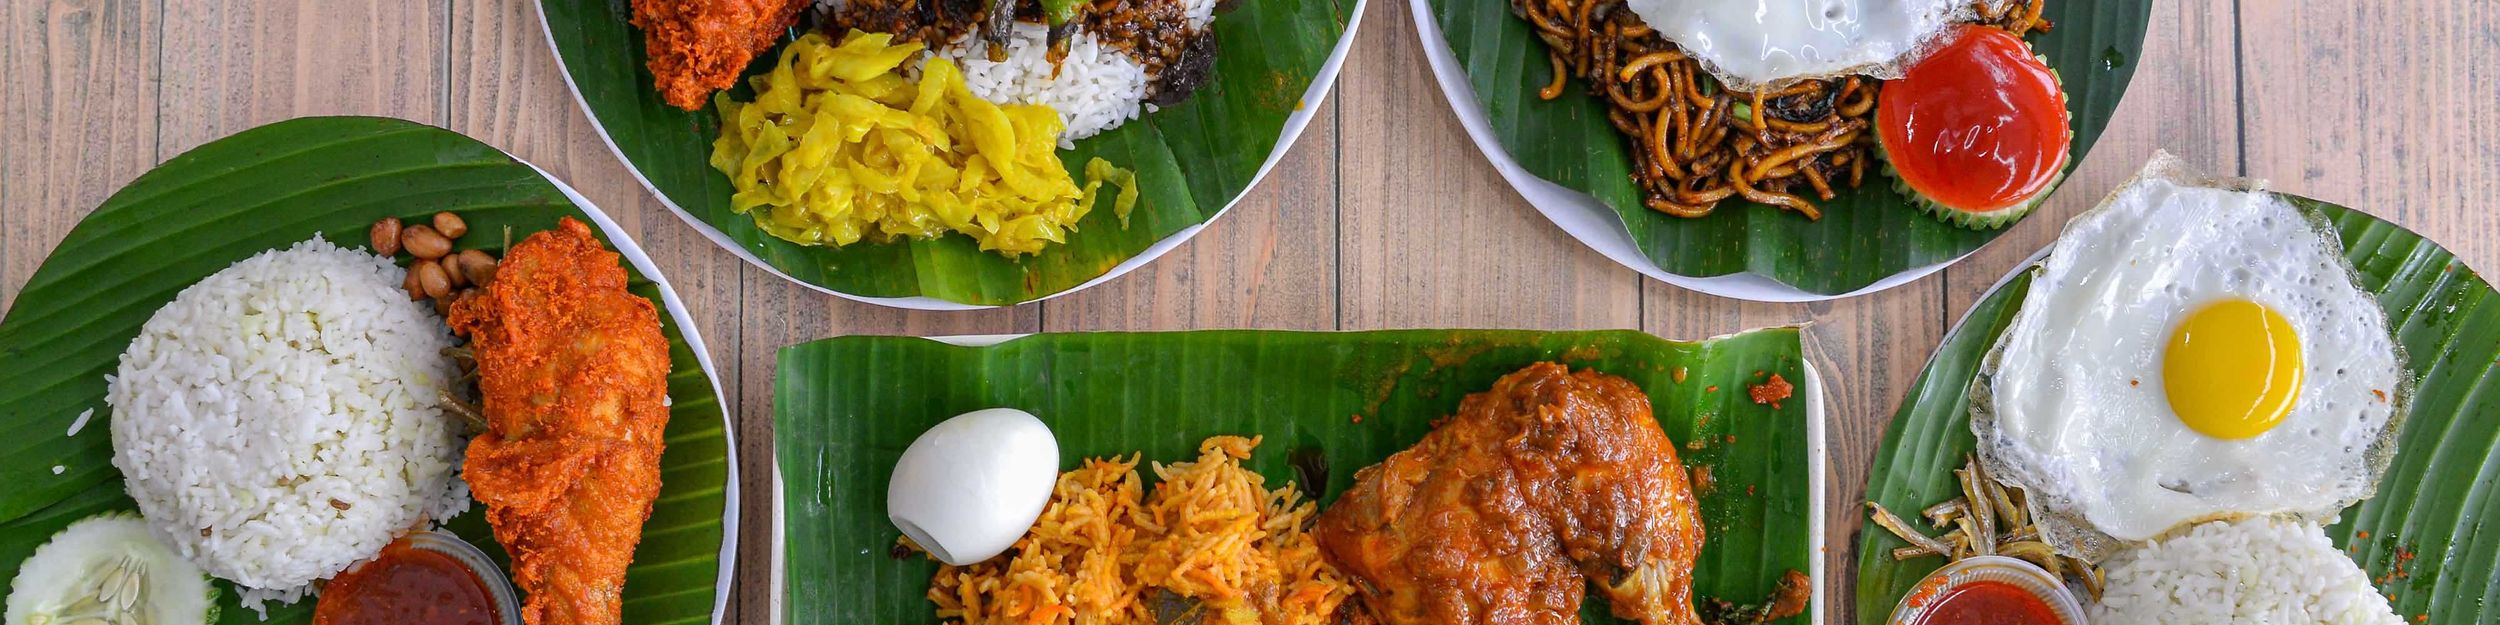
(574, 373)
(697, 47)
(1504, 513)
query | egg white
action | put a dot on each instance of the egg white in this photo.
(969, 487)
(2072, 404)
(1751, 44)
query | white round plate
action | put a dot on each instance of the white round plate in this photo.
(1589, 220)
(1309, 106)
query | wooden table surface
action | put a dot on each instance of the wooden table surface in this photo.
(1383, 216)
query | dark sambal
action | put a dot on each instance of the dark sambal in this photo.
(407, 585)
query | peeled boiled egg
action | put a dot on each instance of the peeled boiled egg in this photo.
(968, 488)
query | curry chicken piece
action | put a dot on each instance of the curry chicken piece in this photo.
(697, 47)
(1508, 510)
(574, 373)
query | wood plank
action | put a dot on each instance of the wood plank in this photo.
(507, 90)
(2384, 107)
(232, 65)
(2183, 99)
(1267, 262)
(1431, 235)
(1868, 350)
(81, 119)
(774, 313)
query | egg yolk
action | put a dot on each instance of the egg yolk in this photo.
(2233, 369)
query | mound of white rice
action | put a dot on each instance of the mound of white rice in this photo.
(279, 420)
(2253, 571)
(1094, 89)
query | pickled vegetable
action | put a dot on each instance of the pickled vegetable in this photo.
(841, 145)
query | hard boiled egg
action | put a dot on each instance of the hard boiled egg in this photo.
(968, 488)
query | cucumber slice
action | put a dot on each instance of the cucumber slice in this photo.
(107, 569)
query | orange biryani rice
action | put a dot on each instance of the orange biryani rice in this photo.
(1211, 538)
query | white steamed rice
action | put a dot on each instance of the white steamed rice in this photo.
(2253, 571)
(279, 420)
(1095, 88)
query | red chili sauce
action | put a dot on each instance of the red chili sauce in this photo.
(1988, 603)
(1979, 125)
(406, 586)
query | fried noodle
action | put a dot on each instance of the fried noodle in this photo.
(1695, 143)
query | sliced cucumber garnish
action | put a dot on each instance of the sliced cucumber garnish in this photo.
(108, 570)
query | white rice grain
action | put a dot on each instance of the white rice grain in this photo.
(1200, 12)
(81, 423)
(280, 419)
(1096, 88)
(2253, 571)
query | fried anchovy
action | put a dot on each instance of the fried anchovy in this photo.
(1900, 528)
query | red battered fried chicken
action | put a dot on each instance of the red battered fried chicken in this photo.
(574, 373)
(697, 47)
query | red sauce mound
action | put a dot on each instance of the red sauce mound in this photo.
(1979, 125)
(1988, 603)
(406, 586)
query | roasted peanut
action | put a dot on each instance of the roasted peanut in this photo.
(385, 236)
(415, 291)
(450, 225)
(430, 277)
(451, 267)
(425, 243)
(478, 265)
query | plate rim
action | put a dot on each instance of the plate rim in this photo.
(1590, 221)
(630, 251)
(1818, 462)
(1306, 109)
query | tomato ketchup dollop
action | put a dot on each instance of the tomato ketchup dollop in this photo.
(1978, 125)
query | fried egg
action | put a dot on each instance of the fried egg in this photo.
(2189, 352)
(1750, 44)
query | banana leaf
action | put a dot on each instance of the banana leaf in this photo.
(270, 187)
(2417, 537)
(845, 408)
(1192, 159)
(1866, 234)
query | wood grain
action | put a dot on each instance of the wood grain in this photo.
(2182, 99)
(77, 119)
(1431, 235)
(230, 66)
(2380, 106)
(1268, 262)
(503, 80)
(1868, 350)
(1383, 216)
